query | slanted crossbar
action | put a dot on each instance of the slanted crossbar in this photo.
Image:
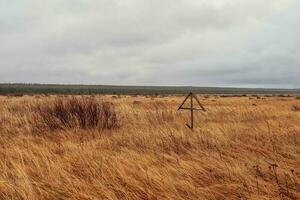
(192, 97)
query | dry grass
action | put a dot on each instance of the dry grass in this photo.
(240, 149)
(296, 107)
(70, 113)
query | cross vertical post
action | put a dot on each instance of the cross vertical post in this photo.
(191, 108)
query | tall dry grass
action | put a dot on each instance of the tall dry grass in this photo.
(242, 148)
(83, 113)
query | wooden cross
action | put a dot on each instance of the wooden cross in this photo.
(191, 96)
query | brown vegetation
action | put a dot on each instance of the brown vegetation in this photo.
(296, 107)
(84, 113)
(88, 149)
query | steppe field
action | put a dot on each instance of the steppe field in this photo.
(138, 147)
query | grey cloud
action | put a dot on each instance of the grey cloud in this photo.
(187, 42)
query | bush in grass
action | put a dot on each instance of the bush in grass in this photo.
(83, 113)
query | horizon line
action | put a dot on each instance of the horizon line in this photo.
(131, 85)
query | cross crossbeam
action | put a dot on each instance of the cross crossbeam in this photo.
(192, 97)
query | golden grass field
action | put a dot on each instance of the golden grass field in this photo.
(241, 148)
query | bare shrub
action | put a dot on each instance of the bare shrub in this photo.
(295, 108)
(137, 102)
(84, 113)
(17, 95)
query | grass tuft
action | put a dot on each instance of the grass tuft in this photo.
(295, 108)
(83, 113)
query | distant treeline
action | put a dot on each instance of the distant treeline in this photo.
(145, 90)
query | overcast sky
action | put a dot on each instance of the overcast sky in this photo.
(241, 43)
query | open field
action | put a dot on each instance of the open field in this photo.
(241, 148)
